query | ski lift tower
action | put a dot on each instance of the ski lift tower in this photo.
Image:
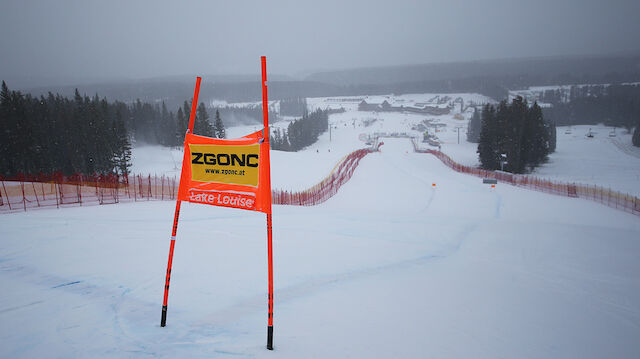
(458, 129)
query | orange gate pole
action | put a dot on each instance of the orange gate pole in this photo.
(265, 115)
(176, 216)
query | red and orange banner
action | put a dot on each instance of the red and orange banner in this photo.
(229, 173)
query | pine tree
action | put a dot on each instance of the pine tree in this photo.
(181, 127)
(274, 139)
(551, 127)
(636, 135)
(4, 95)
(7, 132)
(218, 127)
(23, 127)
(285, 145)
(517, 137)
(167, 128)
(529, 151)
(540, 136)
(202, 125)
(122, 153)
(501, 114)
(186, 110)
(488, 151)
(474, 127)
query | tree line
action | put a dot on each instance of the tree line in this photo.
(202, 126)
(614, 105)
(293, 106)
(55, 134)
(300, 133)
(514, 136)
(49, 134)
(246, 115)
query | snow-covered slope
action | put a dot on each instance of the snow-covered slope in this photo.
(604, 160)
(389, 267)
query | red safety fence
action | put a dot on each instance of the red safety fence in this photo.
(45, 191)
(613, 199)
(26, 192)
(326, 188)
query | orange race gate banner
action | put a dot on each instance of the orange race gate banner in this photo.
(229, 173)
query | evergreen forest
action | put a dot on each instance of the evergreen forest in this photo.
(300, 133)
(54, 134)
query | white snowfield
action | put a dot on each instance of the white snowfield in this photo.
(388, 268)
(608, 159)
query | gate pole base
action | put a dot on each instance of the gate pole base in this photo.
(270, 337)
(163, 321)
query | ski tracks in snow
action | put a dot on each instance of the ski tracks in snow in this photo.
(498, 204)
(424, 183)
(76, 296)
(313, 285)
(626, 148)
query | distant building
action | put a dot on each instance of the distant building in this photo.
(422, 108)
(374, 105)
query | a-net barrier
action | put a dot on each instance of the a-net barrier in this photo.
(613, 199)
(32, 192)
(28, 192)
(24, 192)
(326, 188)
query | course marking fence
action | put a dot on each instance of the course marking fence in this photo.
(614, 199)
(29, 192)
(23, 193)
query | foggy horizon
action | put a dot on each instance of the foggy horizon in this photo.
(67, 80)
(130, 41)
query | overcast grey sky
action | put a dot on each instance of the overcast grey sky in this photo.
(137, 39)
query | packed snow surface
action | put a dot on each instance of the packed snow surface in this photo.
(608, 159)
(390, 267)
